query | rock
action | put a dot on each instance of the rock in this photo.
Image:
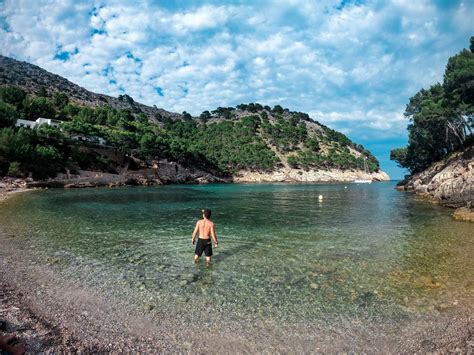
(428, 282)
(365, 299)
(442, 307)
(311, 175)
(449, 182)
(470, 287)
(148, 307)
(428, 345)
(464, 214)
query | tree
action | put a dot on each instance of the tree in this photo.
(186, 116)
(40, 107)
(42, 92)
(399, 155)
(60, 100)
(292, 161)
(204, 116)
(13, 95)
(15, 169)
(278, 109)
(8, 115)
(441, 117)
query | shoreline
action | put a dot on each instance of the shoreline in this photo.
(5, 194)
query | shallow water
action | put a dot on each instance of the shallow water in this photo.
(363, 251)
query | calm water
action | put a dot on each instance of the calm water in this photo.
(364, 250)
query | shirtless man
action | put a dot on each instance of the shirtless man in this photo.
(205, 227)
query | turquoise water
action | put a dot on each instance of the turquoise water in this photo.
(363, 251)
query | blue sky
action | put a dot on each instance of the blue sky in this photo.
(351, 65)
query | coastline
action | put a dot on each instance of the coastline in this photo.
(289, 175)
(8, 188)
(448, 182)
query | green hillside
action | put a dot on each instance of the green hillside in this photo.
(223, 141)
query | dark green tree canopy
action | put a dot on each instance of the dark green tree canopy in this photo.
(441, 117)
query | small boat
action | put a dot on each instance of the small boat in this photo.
(366, 171)
(362, 181)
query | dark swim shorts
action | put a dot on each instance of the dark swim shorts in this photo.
(204, 245)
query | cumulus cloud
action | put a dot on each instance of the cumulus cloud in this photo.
(352, 65)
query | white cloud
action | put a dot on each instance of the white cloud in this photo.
(353, 68)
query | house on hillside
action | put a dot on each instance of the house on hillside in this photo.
(39, 121)
(25, 123)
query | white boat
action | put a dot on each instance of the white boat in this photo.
(366, 171)
(362, 181)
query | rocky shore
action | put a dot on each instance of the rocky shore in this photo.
(301, 175)
(10, 186)
(449, 182)
(166, 172)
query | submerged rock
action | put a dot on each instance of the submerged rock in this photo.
(464, 214)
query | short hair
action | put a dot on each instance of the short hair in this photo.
(207, 213)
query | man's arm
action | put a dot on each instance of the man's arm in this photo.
(196, 230)
(213, 233)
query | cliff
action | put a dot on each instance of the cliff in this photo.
(449, 182)
(312, 175)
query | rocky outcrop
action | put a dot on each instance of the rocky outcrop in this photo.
(449, 182)
(162, 172)
(300, 175)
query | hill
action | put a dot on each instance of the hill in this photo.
(250, 142)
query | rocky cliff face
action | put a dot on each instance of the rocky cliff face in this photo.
(449, 182)
(311, 175)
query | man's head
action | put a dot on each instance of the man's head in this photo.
(206, 213)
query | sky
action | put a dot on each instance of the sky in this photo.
(352, 65)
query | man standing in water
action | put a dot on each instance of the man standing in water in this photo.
(205, 227)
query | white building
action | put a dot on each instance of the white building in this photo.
(25, 123)
(39, 121)
(48, 121)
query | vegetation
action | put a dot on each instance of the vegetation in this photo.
(441, 118)
(222, 141)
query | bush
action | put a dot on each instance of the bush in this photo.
(15, 169)
(292, 161)
(8, 115)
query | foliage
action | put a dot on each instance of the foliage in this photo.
(8, 115)
(440, 118)
(224, 146)
(15, 169)
(13, 95)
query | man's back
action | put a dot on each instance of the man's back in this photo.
(205, 227)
